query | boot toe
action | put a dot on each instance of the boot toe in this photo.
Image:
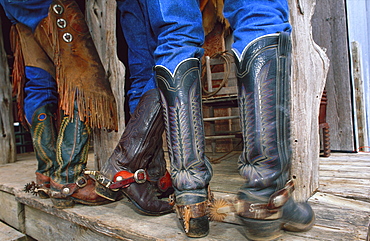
(298, 217)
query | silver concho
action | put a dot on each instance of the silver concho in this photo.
(67, 37)
(58, 9)
(65, 191)
(61, 23)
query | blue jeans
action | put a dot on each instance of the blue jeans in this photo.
(166, 32)
(28, 12)
(158, 33)
(40, 87)
(251, 19)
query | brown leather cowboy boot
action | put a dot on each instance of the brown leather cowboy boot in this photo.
(190, 169)
(137, 161)
(265, 205)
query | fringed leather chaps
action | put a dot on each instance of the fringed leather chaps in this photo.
(27, 52)
(81, 78)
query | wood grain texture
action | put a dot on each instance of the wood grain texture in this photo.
(101, 19)
(7, 138)
(329, 25)
(309, 69)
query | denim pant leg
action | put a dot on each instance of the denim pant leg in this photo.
(177, 26)
(27, 12)
(40, 89)
(141, 46)
(251, 19)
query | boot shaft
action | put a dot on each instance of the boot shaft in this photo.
(181, 100)
(141, 141)
(72, 149)
(44, 137)
(263, 73)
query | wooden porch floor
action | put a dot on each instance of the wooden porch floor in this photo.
(342, 207)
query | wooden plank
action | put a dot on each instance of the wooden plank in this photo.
(344, 181)
(354, 163)
(347, 192)
(43, 226)
(348, 168)
(344, 174)
(115, 221)
(347, 218)
(8, 233)
(330, 18)
(12, 210)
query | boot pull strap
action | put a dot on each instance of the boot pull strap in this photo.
(165, 182)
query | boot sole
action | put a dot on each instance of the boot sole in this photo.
(262, 229)
(143, 211)
(63, 203)
(70, 203)
(298, 227)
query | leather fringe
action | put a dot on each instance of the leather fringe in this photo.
(80, 74)
(18, 74)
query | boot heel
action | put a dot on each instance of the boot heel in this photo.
(262, 229)
(198, 227)
(63, 203)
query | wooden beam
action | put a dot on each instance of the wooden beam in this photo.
(7, 138)
(309, 70)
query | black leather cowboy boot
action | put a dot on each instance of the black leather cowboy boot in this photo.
(44, 137)
(69, 185)
(137, 166)
(190, 169)
(264, 202)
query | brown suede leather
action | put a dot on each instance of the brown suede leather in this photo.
(79, 72)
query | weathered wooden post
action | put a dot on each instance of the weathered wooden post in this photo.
(7, 138)
(310, 67)
(101, 18)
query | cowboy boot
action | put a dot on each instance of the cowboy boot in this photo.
(190, 169)
(44, 137)
(264, 202)
(137, 166)
(69, 185)
(159, 177)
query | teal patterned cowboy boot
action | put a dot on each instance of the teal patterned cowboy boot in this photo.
(44, 136)
(265, 204)
(190, 169)
(69, 184)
